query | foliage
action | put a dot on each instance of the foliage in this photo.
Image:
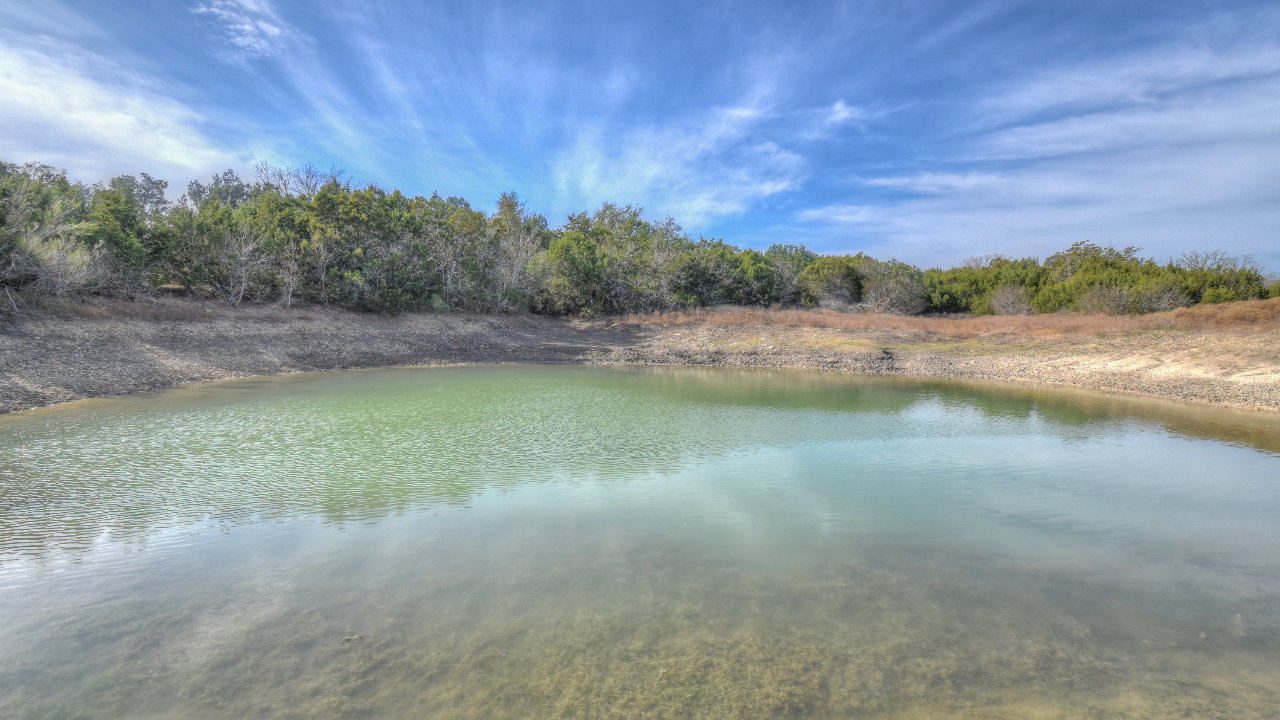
(301, 234)
(1091, 279)
(833, 281)
(42, 223)
(892, 287)
(789, 262)
(974, 286)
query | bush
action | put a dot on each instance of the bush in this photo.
(973, 287)
(304, 234)
(1159, 294)
(892, 287)
(1011, 300)
(833, 281)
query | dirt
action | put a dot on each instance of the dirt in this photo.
(73, 351)
(1239, 368)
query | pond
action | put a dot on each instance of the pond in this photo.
(553, 541)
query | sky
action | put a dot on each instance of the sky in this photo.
(930, 131)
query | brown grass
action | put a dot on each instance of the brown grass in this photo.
(1250, 315)
(1253, 315)
(142, 309)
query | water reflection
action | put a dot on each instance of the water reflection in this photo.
(514, 542)
(358, 446)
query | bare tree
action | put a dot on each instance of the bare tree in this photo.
(303, 181)
(1163, 298)
(244, 257)
(277, 177)
(46, 252)
(1106, 300)
(288, 268)
(1215, 260)
(1011, 300)
(892, 287)
(517, 248)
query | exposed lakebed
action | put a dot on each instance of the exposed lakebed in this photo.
(588, 542)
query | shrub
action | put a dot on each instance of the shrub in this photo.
(1105, 299)
(833, 281)
(1011, 300)
(892, 287)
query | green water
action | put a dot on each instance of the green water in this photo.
(583, 542)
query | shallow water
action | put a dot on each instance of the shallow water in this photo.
(588, 542)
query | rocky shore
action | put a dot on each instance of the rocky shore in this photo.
(79, 351)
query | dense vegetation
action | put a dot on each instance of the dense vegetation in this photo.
(301, 234)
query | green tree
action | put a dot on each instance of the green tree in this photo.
(754, 280)
(984, 285)
(833, 281)
(120, 228)
(788, 262)
(43, 245)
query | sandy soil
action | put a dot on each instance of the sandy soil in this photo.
(76, 351)
(1232, 368)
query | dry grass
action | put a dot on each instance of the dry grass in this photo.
(1250, 315)
(1254, 315)
(160, 308)
(142, 309)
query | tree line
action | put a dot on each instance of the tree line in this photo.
(302, 234)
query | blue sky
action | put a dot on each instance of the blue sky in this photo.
(927, 131)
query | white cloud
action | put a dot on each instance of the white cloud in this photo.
(844, 214)
(1241, 110)
(698, 170)
(251, 26)
(1142, 78)
(76, 110)
(1172, 148)
(306, 86)
(824, 123)
(933, 183)
(1202, 198)
(842, 114)
(48, 17)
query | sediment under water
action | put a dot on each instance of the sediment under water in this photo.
(587, 542)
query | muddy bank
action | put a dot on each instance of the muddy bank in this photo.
(78, 351)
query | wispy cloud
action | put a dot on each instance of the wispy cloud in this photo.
(1240, 112)
(1142, 78)
(49, 17)
(697, 170)
(74, 109)
(315, 110)
(1162, 98)
(252, 27)
(842, 113)
(933, 182)
(866, 126)
(843, 214)
(1173, 147)
(824, 123)
(1205, 197)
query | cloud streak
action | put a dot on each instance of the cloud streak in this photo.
(1174, 148)
(79, 111)
(696, 170)
(1149, 198)
(915, 130)
(252, 27)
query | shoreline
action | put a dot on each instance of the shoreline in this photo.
(75, 352)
